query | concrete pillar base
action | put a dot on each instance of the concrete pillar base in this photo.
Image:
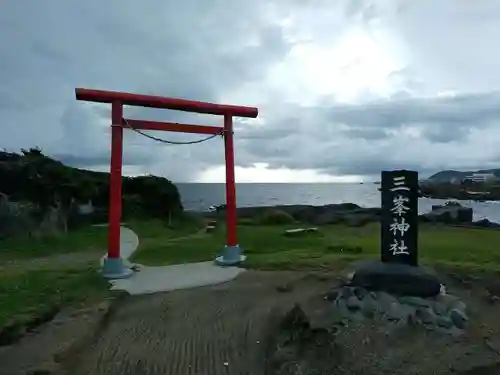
(231, 256)
(114, 268)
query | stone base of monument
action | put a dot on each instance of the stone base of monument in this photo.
(442, 313)
(396, 278)
(400, 295)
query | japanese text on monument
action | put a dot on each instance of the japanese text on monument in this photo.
(399, 226)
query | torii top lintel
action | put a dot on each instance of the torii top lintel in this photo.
(152, 101)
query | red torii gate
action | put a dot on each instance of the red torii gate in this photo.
(113, 264)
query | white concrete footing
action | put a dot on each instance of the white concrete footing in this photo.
(163, 279)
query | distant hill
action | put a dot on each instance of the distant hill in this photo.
(448, 175)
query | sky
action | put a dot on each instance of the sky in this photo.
(345, 88)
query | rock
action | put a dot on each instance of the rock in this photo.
(451, 214)
(414, 301)
(492, 298)
(346, 292)
(332, 295)
(328, 217)
(395, 311)
(458, 305)
(210, 229)
(459, 318)
(426, 315)
(284, 288)
(299, 232)
(444, 302)
(359, 220)
(369, 306)
(385, 300)
(399, 279)
(348, 213)
(357, 303)
(485, 223)
(275, 217)
(493, 287)
(360, 293)
(353, 303)
(444, 321)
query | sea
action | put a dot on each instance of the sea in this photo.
(200, 196)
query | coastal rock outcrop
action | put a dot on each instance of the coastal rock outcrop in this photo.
(352, 215)
(449, 214)
(345, 213)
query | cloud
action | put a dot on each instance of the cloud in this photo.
(416, 133)
(343, 88)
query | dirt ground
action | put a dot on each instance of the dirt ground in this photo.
(237, 328)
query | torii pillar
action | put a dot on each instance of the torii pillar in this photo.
(114, 267)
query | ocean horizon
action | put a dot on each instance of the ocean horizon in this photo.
(200, 196)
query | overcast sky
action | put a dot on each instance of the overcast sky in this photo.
(344, 88)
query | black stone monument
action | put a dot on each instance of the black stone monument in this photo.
(398, 271)
(399, 224)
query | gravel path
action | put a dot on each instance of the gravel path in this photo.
(212, 330)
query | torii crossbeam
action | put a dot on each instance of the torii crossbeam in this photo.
(114, 267)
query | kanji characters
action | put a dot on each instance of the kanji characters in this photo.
(399, 226)
(398, 247)
(399, 207)
(399, 184)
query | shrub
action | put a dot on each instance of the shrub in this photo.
(48, 185)
(275, 217)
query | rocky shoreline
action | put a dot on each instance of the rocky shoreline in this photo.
(353, 215)
(476, 192)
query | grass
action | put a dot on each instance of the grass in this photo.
(267, 247)
(25, 296)
(28, 291)
(24, 293)
(90, 239)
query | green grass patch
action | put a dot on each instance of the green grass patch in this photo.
(267, 247)
(27, 293)
(90, 239)
(24, 296)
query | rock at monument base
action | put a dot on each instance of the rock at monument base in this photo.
(394, 278)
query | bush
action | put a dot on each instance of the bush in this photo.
(275, 217)
(47, 184)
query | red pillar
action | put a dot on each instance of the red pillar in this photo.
(230, 183)
(115, 181)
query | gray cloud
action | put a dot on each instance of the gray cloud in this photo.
(365, 138)
(205, 50)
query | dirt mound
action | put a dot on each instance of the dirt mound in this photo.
(315, 338)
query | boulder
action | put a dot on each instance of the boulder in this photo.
(317, 215)
(299, 232)
(485, 223)
(449, 214)
(360, 219)
(210, 229)
(398, 279)
(275, 217)
(348, 214)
